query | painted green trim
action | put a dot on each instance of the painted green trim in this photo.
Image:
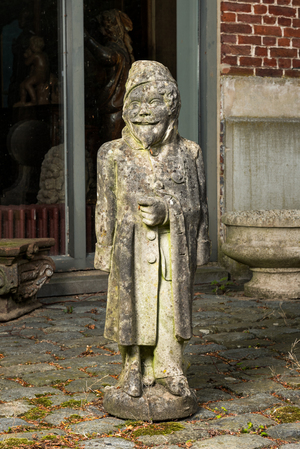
(75, 131)
(188, 67)
(209, 120)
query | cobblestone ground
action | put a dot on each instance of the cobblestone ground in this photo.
(242, 362)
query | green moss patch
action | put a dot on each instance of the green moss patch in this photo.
(12, 443)
(40, 401)
(72, 403)
(158, 429)
(287, 414)
(34, 414)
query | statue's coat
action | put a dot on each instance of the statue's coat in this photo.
(129, 249)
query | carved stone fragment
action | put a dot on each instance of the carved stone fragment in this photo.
(24, 269)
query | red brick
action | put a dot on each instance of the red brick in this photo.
(267, 30)
(284, 63)
(260, 9)
(269, 41)
(236, 7)
(282, 11)
(284, 21)
(236, 28)
(228, 38)
(283, 53)
(269, 2)
(296, 23)
(249, 18)
(284, 42)
(269, 20)
(269, 72)
(292, 32)
(296, 2)
(250, 61)
(270, 62)
(235, 49)
(253, 40)
(283, 2)
(292, 73)
(241, 71)
(296, 64)
(261, 51)
(296, 43)
(228, 17)
(231, 60)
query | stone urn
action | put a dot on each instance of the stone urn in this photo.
(268, 241)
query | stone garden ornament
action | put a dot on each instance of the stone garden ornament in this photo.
(152, 232)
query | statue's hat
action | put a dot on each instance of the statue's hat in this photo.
(142, 72)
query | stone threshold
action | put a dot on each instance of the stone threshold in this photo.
(93, 281)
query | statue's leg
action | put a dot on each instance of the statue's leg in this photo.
(131, 379)
(168, 354)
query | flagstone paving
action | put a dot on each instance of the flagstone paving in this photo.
(242, 362)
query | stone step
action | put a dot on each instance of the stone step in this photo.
(93, 281)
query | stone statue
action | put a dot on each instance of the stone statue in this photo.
(108, 57)
(152, 231)
(36, 85)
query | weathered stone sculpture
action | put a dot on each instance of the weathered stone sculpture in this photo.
(152, 231)
(24, 269)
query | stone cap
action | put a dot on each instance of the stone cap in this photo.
(277, 218)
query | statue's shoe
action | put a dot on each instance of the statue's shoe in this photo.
(178, 385)
(131, 382)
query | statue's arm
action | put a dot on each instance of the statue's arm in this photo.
(203, 243)
(103, 54)
(105, 207)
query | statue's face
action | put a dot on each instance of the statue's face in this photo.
(146, 114)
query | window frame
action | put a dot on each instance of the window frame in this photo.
(197, 71)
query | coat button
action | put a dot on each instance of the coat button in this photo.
(177, 177)
(151, 235)
(151, 258)
(158, 185)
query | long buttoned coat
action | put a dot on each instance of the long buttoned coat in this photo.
(129, 249)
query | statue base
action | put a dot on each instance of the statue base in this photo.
(156, 404)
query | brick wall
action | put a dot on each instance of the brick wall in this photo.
(260, 37)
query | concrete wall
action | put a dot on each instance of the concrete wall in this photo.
(261, 144)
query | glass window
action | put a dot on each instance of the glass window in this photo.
(116, 33)
(32, 154)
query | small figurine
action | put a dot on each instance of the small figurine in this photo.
(152, 232)
(36, 85)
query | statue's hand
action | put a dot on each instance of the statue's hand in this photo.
(153, 210)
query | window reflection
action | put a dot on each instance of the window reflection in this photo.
(32, 199)
(117, 32)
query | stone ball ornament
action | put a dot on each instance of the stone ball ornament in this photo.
(152, 232)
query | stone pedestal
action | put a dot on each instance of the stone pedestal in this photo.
(156, 404)
(281, 283)
(24, 269)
